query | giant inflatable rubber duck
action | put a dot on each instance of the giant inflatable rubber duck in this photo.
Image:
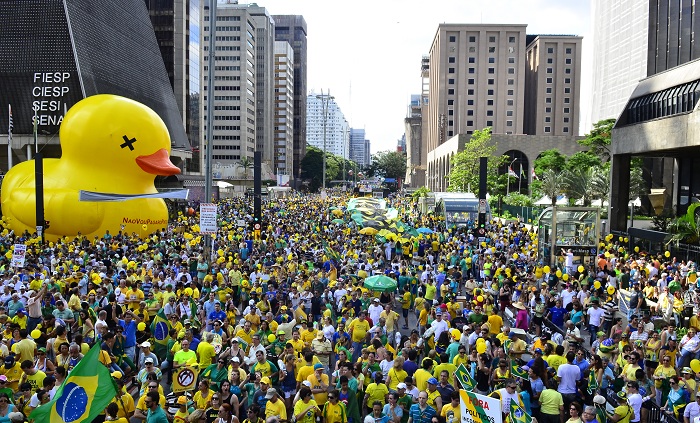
(110, 144)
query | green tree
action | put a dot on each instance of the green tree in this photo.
(598, 140)
(582, 160)
(312, 167)
(246, 164)
(578, 184)
(549, 159)
(465, 166)
(686, 228)
(390, 164)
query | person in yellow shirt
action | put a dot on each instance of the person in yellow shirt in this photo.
(422, 375)
(396, 374)
(358, 332)
(406, 304)
(334, 410)
(451, 411)
(445, 366)
(376, 391)
(124, 401)
(182, 413)
(141, 408)
(495, 323)
(319, 384)
(391, 320)
(13, 371)
(305, 368)
(206, 352)
(461, 357)
(274, 406)
(203, 395)
(296, 341)
(246, 333)
(307, 335)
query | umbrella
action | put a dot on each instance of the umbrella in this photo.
(424, 230)
(380, 283)
(338, 221)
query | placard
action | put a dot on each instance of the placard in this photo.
(207, 218)
(476, 408)
(18, 255)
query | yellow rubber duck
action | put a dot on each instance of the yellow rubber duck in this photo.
(110, 144)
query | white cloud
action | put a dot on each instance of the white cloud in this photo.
(376, 47)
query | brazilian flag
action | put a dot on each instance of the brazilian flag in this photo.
(518, 413)
(84, 394)
(517, 371)
(465, 378)
(160, 328)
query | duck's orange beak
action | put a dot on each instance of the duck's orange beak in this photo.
(158, 163)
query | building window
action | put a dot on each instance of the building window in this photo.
(492, 60)
(550, 70)
(511, 60)
(472, 60)
(510, 92)
(451, 59)
(451, 70)
(550, 50)
(511, 39)
(453, 38)
(489, 102)
(567, 90)
(450, 133)
(511, 71)
(547, 129)
(451, 91)
(470, 132)
(470, 91)
(492, 49)
(547, 119)
(509, 123)
(567, 100)
(472, 39)
(567, 71)
(511, 81)
(549, 80)
(568, 50)
(470, 102)
(470, 112)
(568, 61)
(450, 102)
(470, 81)
(509, 102)
(566, 110)
(470, 123)
(489, 113)
(450, 112)
(489, 123)
(451, 81)
(450, 123)
(550, 60)
(548, 100)
(472, 70)
(509, 113)
(548, 110)
(489, 92)
(549, 90)
(491, 81)
(492, 39)
(566, 129)
(472, 49)
(492, 70)
(566, 120)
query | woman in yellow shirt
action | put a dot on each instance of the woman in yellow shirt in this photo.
(396, 374)
(202, 396)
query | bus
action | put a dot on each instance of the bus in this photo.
(459, 209)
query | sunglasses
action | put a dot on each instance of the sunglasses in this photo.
(512, 387)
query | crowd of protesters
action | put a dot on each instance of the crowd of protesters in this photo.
(281, 327)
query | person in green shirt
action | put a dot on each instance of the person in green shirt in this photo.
(404, 400)
(155, 413)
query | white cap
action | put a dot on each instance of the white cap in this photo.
(401, 386)
(236, 360)
(251, 302)
(306, 383)
(146, 344)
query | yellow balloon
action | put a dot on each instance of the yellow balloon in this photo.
(581, 269)
(36, 334)
(565, 277)
(620, 239)
(627, 240)
(695, 365)
(144, 227)
(596, 284)
(271, 338)
(515, 256)
(481, 348)
(611, 290)
(480, 341)
(89, 130)
(547, 269)
(141, 326)
(480, 299)
(558, 273)
(667, 254)
(636, 249)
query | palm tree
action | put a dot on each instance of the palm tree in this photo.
(578, 183)
(246, 164)
(552, 184)
(686, 228)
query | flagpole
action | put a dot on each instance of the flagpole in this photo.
(9, 138)
(520, 179)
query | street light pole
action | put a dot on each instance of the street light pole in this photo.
(324, 107)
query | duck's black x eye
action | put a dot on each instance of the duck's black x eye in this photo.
(128, 142)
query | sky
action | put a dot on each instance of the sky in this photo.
(368, 53)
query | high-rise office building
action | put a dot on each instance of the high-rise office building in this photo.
(552, 84)
(328, 132)
(672, 28)
(476, 79)
(620, 50)
(283, 154)
(415, 149)
(292, 28)
(176, 24)
(243, 82)
(359, 147)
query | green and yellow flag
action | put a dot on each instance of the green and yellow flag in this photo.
(82, 396)
(518, 414)
(517, 371)
(592, 383)
(465, 378)
(160, 328)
